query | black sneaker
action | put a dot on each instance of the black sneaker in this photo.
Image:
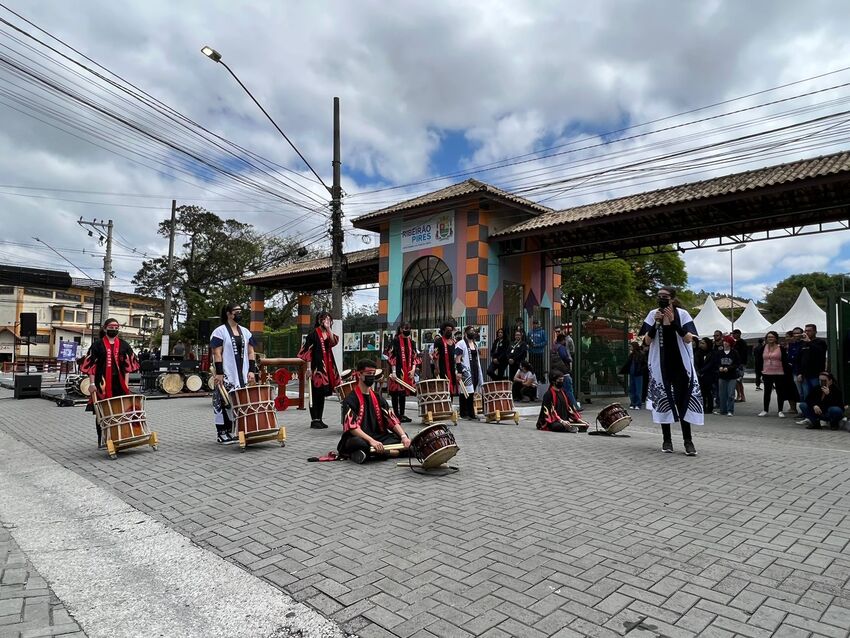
(324, 425)
(813, 426)
(317, 425)
(358, 456)
(405, 419)
(667, 447)
(224, 438)
(690, 450)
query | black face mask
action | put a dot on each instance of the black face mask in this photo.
(559, 383)
(406, 333)
(237, 317)
(369, 380)
(448, 334)
(471, 336)
(112, 333)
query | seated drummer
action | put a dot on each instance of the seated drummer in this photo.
(368, 423)
(557, 414)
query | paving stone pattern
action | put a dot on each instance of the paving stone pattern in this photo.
(539, 534)
(28, 607)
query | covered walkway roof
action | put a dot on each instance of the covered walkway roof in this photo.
(310, 275)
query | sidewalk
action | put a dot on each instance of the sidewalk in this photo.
(539, 534)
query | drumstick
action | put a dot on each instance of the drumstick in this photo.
(389, 447)
(310, 389)
(402, 383)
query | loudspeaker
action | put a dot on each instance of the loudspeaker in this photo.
(28, 386)
(29, 324)
(203, 330)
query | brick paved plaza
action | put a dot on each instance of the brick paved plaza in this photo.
(539, 534)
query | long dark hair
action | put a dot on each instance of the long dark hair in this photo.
(401, 327)
(228, 308)
(320, 317)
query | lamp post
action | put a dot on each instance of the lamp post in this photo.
(335, 191)
(731, 279)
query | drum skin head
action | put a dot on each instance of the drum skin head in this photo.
(619, 425)
(439, 457)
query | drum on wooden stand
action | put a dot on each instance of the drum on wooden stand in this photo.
(170, 382)
(255, 415)
(613, 419)
(434, 400)
(209, 380)
(499, 401)
(123, 423)
(433, 446)
(193, 382)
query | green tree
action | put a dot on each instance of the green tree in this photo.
(623, 286)
(209, 265)
(782, 296)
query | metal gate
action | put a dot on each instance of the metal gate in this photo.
(427, 292)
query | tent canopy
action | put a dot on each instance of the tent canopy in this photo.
(751, 323)
(804, 311)
(710, 319)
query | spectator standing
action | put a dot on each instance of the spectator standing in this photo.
(743, 352)
(537, 341)
(759, 363)
(812, 361)
(795, 344)
(775, 361)
(498, 357)
(706, 362)
(634, 367)
(728, 376)
(517, 353)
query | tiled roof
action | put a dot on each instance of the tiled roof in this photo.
(684, 193)
(311, 265)
(468, 187)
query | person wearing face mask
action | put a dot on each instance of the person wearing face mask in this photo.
(674, 392)
(317, 351)
(232, 351)
(469, 372)
(444, 357)
(727, 376)
(403, 359)
(108, 364)
(517, 353)
(557, 413)
(368, 424)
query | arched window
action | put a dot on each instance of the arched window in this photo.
(427, 293)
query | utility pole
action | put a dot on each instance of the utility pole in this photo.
(95, 226)
(166, 322)
(336, 224)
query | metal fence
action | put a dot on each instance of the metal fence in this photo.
(602, 347)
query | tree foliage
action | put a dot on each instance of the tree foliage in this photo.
(623, 287)
(782, 296)
(209, 265)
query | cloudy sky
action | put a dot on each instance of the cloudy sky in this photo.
(538, 97)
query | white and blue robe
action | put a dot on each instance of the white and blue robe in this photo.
(473, 374)
(235, 360)
(670, 398)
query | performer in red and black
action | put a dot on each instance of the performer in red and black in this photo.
(109, 362)
(557, 414)
(368, 423)
(444, 355)
(317, 351)
(404, 359)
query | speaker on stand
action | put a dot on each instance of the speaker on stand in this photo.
(28, 385)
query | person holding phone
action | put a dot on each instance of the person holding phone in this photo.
(674, 392)
(823, 403)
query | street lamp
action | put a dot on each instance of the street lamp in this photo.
(335, 191)
(731, 279)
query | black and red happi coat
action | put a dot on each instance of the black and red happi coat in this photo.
(318, 352)
(403, 358)
(556, 407)
(109, 363)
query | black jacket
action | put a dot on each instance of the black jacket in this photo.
(707, 363)
(730, 362)
(812, 357)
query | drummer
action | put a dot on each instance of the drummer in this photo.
(317, 351)
(469, 372)
(368, 423)
(444, 355)
(232, 349)
(108, 364)
(557, 414)
(403, 359)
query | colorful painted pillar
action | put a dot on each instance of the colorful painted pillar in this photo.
(384, 275)
(477, 265)
(258, 310)
(556, 296)
(305, 318)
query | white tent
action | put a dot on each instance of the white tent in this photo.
(804, 311)
(751, 323)
(710, 319)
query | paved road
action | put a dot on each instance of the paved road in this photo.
(539, 534)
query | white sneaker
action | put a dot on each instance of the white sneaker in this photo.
(804, 422)
(781, 415)
(729, 414)
(763, 413)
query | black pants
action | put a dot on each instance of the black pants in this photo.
(773, 381)
(706, 388)
(686, 432)
(520, 391)
(398, 399)
(350, 443)
(466, 406)
(317, 410)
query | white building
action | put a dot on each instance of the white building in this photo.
(67, 315)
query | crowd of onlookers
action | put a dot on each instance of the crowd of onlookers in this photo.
(793, 367)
